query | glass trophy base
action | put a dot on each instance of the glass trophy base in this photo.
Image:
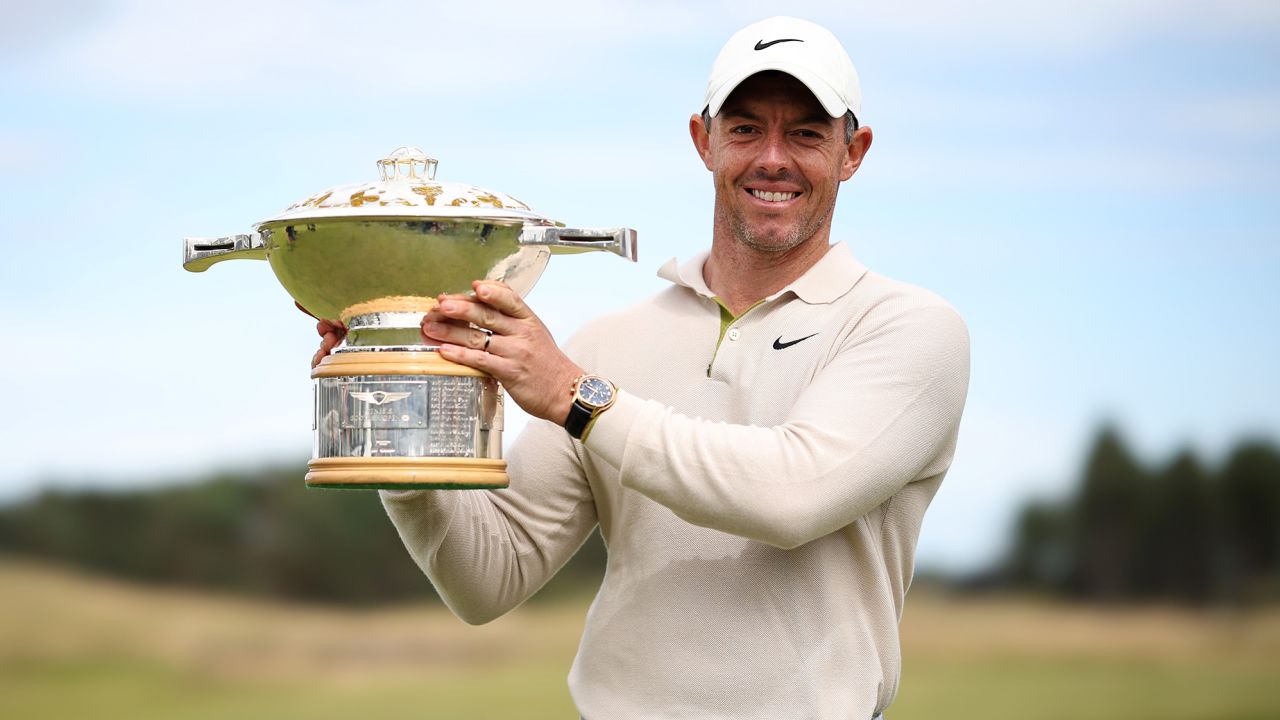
(405, 419)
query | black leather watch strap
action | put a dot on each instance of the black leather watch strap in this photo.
(578, 419)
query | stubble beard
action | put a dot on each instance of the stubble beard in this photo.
(749, 236)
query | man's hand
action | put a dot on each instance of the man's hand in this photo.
(331, 333)
(511, 344)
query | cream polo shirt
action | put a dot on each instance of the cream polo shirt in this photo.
(760, 492)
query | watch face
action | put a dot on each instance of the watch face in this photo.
(595, 391)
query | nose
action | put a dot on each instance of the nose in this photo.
(774, 157)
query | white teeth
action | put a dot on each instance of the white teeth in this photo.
(774, 196)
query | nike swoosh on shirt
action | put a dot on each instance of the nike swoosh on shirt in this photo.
(779, 345)
(760, 44)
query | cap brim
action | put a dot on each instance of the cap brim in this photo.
(825, 94)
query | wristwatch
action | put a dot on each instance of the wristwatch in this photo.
(592, 395)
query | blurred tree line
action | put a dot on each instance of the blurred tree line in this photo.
(1180, 531)
(262, 533)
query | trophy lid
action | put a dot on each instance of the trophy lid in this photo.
(408, 189)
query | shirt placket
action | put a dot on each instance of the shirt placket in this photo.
(735, 334)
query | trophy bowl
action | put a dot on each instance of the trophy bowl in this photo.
(389, 411)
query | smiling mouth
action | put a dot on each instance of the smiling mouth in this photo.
(773, 196)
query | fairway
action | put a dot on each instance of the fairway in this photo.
(74, 646)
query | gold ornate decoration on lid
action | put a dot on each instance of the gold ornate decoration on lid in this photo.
(408, 189)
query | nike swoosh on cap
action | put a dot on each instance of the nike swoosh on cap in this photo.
(779, 345)
(760, 44)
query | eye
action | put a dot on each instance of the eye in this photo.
(742, 129)
(810, 134)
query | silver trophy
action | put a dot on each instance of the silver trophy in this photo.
(389, 411)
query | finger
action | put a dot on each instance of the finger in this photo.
(464, 335)
(329, 339)
(437, 332)
(299, 306)
(444, 323)
(477, 313)
(436, 315)
(434, 333)
(488, 362)
(502, 298)
(457, 296)
(324, 327)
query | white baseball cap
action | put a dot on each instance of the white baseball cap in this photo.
(803, 50)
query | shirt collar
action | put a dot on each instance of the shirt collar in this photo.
(831, 277)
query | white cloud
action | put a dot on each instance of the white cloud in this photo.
(22, 153)
(296, 52)
(290, 48)
(36, 27)
(1079, 27)
(1084, 138)
(1139, 167)
(1237, 117)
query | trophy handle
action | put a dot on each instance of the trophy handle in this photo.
(567, 241)
(199, 253)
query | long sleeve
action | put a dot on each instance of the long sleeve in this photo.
(487, 551)
(882, 413)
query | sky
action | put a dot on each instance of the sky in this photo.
(1093, 185)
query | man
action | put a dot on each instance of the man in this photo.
(782, 417)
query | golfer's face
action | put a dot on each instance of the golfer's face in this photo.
(778, 160)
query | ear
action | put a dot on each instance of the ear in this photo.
(857, 150)
(701, 136)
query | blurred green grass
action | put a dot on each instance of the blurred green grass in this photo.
(1078, 688)
(74, 646)
(147, 691)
